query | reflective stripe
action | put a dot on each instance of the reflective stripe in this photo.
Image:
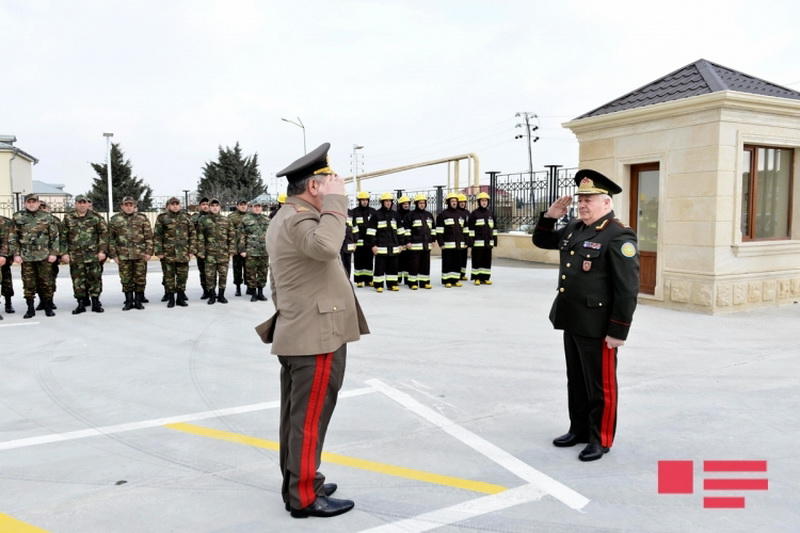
(393, 223)
(480, 222)
(372, 231)
(478, 244)
(439, 230)
(391, 277)
(382, 250)
(382, 224)
(449, 245)
(424, 278)
(449, 221)
(491, 223)
(451, 275)
(359, 220)
(351, 247)
(378, 279)
(413, 279)
(462, 245)
(430, 222)
(417, 223)
(417, 246)
(360, 242)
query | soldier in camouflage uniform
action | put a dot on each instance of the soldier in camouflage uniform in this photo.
(55, 220)
(130, 244)
(202, 205)
(84, 243)
(34, 242)
(239, 262)
(216, 243)
(174, 237)
(3, 248)
(252, 246)
(7, 290)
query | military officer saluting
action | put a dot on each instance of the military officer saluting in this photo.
(597, 289)
(317, 314)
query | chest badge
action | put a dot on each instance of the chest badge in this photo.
(587, 266)
(592, 245)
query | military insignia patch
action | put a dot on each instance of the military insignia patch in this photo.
(587, 266)
(592, 245)
(628, 249)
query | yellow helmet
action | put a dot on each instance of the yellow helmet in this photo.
(282, 198)
(484, 196)
(362, 195)
(451, 195)
(404, 200)
(462, 197)
(420, 198)
(386, 196)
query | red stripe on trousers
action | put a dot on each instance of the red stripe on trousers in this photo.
(316, 400)
(609, 397)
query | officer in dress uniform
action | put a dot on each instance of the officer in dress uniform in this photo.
(316, 315)
(597, 288)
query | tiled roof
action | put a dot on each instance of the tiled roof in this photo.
(700, 77)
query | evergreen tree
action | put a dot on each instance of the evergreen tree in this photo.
(123, 183)
(231, 177)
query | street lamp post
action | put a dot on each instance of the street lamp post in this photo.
(108, 173)
(357, 183)
(186, 199)
(300, 125)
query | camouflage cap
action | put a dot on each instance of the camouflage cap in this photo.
(213, 201)
(203, 200)
(241, 202)
(257, 203)
(31, 196)
(81, 198)
(174, 200)
(129, 200)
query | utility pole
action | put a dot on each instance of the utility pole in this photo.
(526, 117)
(355, 162)
(108, 174)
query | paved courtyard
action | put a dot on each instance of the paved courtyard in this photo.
(166, 419)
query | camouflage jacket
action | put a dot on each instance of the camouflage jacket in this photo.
(252, 235)
(129, 236)
(34, 236)
(5, 234)
(216, 237)
(237, 217)
(174, 236)
(83, 237)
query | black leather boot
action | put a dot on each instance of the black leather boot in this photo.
(128, 301)
(181, 300)
(97, 307)
(238, 289)
(254, 297)
(165, 298)
(206, 294)
(250, 291)
(260, 295)
(138, 300)
(48, 307)
(86, 301)
(80, 309)
(171, 299)
(31, 311)
(221, 297)
(212, 298)
(9, 307)
(592, 452)
(143, 298)
(40, 305)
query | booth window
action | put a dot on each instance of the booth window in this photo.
(766, 192)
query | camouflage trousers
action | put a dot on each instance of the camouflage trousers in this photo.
(37, 278)
(175, 275)
(216, 273)
(239, 265)
(133, 275)
(87, 278)
(5, 275)
(201, 268)
(255, 268)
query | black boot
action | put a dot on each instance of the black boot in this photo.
(9, 307)
(48, 307)
(81, 307)
(254, 297)
(52, 305)
(238, 289)
(128, 301)
(221, 297)
(260, 295)
(138, 300)
(31, 311)
(143, 298)
(181, 300)
(250, 291)
(165, 298)
(171, 299)
(206, 294)
(40, 305)
(97, 307)
(212, 298)
(86, 301)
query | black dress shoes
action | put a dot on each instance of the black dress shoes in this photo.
(327, 488)
(567, 439)
(323, 507)
(592, 452)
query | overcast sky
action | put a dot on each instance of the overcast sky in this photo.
(410, 81)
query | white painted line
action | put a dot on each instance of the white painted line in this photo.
(545, 483)
(19, 324)
(144, 424)
(462, 511)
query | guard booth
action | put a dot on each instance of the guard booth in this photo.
(708, 160)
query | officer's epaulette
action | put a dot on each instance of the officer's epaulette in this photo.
(602, 225)
(299, 208)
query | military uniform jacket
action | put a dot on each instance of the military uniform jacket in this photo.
(216, 237)
(383, 232)
(316, 308)
(450, 230)
(83, 237)
(252, 235)
(482, 230)
(237, 217)
(420, 229)
(598, 279)
(174, 236)
(5, 234)
(34, 236)
(129, 236)
(361, 216)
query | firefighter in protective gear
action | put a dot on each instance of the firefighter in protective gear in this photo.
(451, 238)
(483, 237)
(362, 257)
(420, 231)
(463, 252)
(383, 238)
(403, 209)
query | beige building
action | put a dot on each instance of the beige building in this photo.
(16, 173)
(707, 157)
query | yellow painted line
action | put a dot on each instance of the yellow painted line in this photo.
(9, 524)
(353, 462)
